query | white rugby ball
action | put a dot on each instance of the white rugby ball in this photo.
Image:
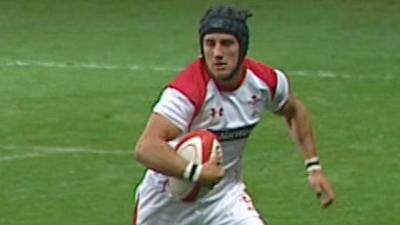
(198, 146)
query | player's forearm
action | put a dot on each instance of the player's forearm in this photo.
(159, 156)
(300, 127)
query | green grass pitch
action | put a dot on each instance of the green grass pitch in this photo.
(78, 79)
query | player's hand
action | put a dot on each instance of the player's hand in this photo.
(322, 188)
(212, 171)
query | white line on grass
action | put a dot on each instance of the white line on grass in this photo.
(46, 151)
(134, 67)
(101, 66)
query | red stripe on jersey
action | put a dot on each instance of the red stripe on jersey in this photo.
(264, 72)
(192, 82)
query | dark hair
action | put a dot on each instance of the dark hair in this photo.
(226, 19)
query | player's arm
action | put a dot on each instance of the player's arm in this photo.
(298, 120)
(154, 152)
(299, 123)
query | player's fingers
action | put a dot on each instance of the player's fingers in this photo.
(218, 159)
(322, 189)
(329, 191)
(211, 174)
(327, 201)
(317, 189)
(329, 197)
(318, 192)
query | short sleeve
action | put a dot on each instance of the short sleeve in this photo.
(282, 91)
(176, 107)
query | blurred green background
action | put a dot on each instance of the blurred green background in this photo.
(78, 79)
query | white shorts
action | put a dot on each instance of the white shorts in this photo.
(154, 207)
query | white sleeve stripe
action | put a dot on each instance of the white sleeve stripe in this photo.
(281, 92)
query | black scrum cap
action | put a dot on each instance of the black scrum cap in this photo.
(226, 19)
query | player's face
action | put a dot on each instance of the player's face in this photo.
(221, 53)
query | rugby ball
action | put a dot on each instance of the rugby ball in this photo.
(198, 147)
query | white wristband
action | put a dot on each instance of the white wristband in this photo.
(314, 168)
(197, 173)
(312, 164)
(192, 172)
(311, 160)
(188, 169)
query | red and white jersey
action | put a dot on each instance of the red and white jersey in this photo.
(194, 101)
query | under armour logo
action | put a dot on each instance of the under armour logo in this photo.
(214, 112)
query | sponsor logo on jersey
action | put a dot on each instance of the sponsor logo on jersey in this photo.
(234, 134)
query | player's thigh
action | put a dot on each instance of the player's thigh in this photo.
(155, 208)
(235, 210)
(245, 213)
